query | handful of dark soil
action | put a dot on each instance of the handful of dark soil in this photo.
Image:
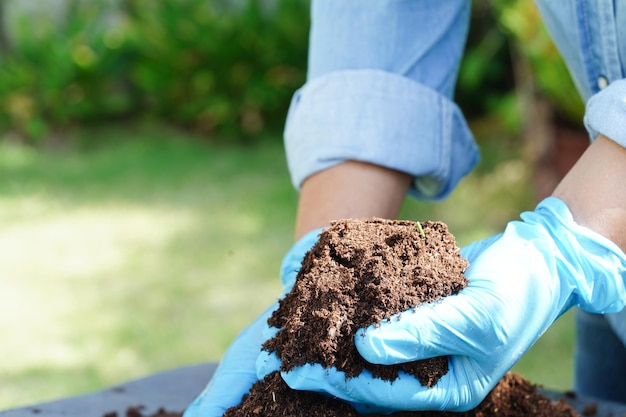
(359, 273)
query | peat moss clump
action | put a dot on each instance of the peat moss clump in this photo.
(359, 273)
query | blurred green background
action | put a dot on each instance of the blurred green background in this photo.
(145, 203)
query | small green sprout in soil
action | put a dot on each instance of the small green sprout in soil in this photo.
(419, 227)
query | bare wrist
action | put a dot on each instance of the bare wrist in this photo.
(351, 189)
(595, 190)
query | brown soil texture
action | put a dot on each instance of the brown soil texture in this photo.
(359, 273)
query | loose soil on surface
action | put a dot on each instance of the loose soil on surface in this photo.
(138, 412)
(362, 272)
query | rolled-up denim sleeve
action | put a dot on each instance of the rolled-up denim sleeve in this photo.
(606, 113)
(379, 89)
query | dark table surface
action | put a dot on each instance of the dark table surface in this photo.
(173, 390)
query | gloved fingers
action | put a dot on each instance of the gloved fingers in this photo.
(509, 301)
(269, 332)
(430, 330)
(266, 363)
(293, 259)
(224, 391)
(315, 377)
(463, 387)
(235, 374)
(459, 390)
(475, 249)
(457, 325)
(233, 377)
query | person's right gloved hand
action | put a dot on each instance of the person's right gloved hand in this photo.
(236, 372)
(520, 282)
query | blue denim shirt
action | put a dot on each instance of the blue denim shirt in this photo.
(379, 90)
(381, 79)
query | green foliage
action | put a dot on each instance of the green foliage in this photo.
(205, 65)
(225, 69)
(508, 42)
(485, 79)
(522, 23)
(59, 72)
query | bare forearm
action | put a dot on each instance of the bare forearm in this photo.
(350, 190)
(595, 190)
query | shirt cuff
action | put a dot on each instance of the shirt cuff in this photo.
(605, 113)
(384, 119)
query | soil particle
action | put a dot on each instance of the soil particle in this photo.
(362, 272)
(590, 409)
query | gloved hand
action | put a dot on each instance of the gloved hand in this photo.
(520, 282)
(237, 370)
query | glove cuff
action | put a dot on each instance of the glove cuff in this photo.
(590, 262)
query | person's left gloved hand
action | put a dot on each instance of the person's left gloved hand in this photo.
(520, 282)
(237, 369)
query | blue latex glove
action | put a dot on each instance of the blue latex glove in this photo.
(520, 282)
(237, 370)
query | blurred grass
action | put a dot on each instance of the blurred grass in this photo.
(151, 250)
